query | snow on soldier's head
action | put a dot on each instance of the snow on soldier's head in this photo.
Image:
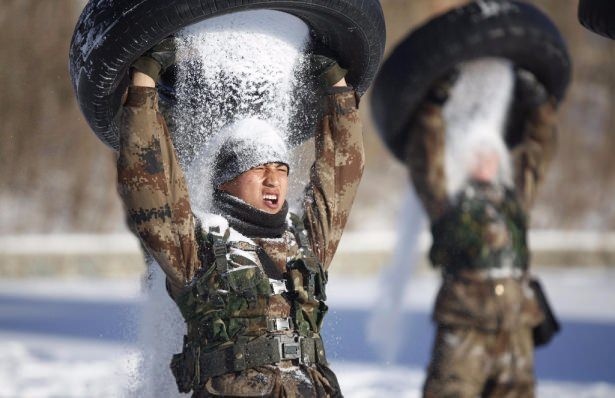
(252, 164)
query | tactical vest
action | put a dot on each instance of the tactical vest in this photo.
(225, 310)
(481, 233)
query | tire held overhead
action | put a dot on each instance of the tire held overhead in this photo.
(111, 34)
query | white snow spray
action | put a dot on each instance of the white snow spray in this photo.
(475, 116)
(385, 329)
(230, 70)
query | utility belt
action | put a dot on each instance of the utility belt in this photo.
(479, 274)
(193, 367)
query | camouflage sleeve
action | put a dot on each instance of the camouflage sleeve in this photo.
(335, 174)
(425, 159)
(153, 188)
(533, 155)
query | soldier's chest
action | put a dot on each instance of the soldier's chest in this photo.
(274, 254)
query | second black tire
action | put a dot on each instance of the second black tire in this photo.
(110, 35)
(484, 28)
(598, 16)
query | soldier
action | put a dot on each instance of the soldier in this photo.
(485, 310)
(250, 280)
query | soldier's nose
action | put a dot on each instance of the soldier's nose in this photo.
(271, 180)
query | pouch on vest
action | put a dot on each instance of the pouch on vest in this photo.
(247, 281)
(185, 367)
(314, 277)
(549, 327)
(307, 281)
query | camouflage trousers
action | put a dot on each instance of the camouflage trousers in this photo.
(282, 381)
(468, 362)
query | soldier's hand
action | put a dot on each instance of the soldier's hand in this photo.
(529, 92)
(324, 68)
(440, 91)
(155, 61)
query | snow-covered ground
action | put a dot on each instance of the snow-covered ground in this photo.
(77, 338)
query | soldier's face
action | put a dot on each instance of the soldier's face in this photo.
(485, 167)
(264, 187)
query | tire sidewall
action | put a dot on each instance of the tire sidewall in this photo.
(111, 34)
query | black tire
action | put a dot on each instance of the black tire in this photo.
(487, 28)
(598, 16)
(110, 35)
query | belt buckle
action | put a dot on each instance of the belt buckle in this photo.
(289, 347)
(279, 324)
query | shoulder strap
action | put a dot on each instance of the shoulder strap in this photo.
(219, 247)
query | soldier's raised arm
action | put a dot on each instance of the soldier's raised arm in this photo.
(338, 167)
(533, 155)
(151, 182)
(425, 150)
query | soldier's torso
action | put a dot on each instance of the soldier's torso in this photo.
(258, 302)
(485, 229)
(480, 245)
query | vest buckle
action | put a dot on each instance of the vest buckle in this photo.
(279, 324)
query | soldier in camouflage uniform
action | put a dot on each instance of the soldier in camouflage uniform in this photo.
(485, 310)
(250, 279)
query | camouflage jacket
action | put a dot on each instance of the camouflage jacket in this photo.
(480, 245)
(484, 230)
(472, 235)
(153, 188)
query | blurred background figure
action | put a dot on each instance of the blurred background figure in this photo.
(485, 310)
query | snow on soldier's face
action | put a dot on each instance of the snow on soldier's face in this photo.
(264, 187)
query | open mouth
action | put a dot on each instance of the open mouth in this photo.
(271, 200)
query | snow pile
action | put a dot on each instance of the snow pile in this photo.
(59, 368)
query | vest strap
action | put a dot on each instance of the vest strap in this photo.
(219, 249)
(265, 350)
